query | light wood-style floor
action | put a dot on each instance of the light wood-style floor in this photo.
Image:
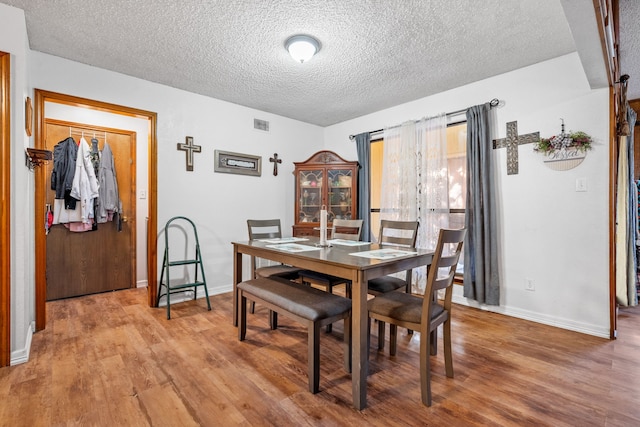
(109, 360)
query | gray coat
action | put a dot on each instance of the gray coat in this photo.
(108, 197)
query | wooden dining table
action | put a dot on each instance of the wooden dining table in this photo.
(337, 260)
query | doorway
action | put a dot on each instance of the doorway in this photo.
(43, 98)
(104, 258)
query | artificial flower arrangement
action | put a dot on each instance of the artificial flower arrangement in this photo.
(578, 140)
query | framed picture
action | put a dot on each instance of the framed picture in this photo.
(243, 164)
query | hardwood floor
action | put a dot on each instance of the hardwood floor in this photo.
(109, 359)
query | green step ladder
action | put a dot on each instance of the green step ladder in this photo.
(165, 281)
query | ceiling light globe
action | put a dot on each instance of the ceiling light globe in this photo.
(302, 48)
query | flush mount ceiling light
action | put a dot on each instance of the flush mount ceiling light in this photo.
(301, 47)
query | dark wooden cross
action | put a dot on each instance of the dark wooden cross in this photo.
(275, 160)
(190, 149)
(511, 142)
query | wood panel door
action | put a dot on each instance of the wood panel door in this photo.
(81, 263)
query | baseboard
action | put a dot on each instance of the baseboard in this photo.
(142, 283)
(518, 313)
(22, 355)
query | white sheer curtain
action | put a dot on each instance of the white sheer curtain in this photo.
(415, 181)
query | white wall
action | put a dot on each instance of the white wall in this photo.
(218, 203)
(548, 232)
(13, 39)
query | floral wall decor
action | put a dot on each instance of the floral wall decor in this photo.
(564, 151)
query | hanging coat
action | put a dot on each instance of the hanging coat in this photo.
(64, 167)
(85, 184)
(108, 199)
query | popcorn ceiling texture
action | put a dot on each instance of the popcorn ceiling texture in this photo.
(374, 54)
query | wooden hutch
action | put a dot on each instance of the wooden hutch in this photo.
(324, 179)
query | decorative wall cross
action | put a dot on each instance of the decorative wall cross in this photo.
(511, 142)
(190, 149)
(275, 160)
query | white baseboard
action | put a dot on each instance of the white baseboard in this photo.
(558, 322)
(142, 283)
(22, 355)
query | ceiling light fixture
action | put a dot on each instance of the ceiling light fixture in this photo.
(302, 47)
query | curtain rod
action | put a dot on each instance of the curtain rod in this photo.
(493, 103)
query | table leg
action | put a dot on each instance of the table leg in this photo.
(360, 360)
(237, 278)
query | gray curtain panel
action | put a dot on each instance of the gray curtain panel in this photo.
(363, 145)
(481, 278)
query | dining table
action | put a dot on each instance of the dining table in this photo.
(358, 262)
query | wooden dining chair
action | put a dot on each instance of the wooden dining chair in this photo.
(425, 313)
(268, 229)
(397, 233)
(347, 229)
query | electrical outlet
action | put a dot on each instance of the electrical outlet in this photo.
(529, 285)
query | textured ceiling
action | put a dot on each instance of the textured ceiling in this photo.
(374, 54)
(630, 45)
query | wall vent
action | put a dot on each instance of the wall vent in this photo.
(261, 125)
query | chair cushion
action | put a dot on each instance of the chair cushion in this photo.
(386, 284)
(401, 306)
(278, 270)
(316, 277)
(304, 301)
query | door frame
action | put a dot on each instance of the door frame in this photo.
(41, 97)
(5, 210)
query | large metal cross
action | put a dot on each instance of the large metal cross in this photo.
(511, 142)
(190, 149)
(275, 160)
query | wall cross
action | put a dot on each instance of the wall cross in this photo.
(511, 142)
(189, 148)
(275, 160)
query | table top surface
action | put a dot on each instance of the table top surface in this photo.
(337, 254)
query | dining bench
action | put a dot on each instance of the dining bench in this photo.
(304, 304)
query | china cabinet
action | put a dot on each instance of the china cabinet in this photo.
(325, 179)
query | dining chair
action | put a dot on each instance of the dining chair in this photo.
(268, 229)
(397, 233)
(347, 229)
(424, 313)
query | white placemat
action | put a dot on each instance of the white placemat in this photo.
(293, 247)
(283, 240)
(344, 242)
(383, 253)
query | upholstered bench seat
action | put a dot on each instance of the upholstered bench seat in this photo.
(309, 306)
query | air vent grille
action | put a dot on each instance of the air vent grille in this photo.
(261, 125)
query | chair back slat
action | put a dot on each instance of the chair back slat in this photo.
(348, 229)
(264, 228)
(436, 280)
(398, 233)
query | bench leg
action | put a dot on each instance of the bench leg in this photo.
(242, 316)
(273, 320)
(313, 350)
(393, 338)
(381, 326)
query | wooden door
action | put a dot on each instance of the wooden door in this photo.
(100, 260)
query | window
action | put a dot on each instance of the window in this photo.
(457, 169)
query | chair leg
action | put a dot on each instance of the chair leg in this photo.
(242, 316)
(273, 319)
(448, 356)
(380, 335)
(393, 339)
(253, 307)
(433, 336)
(313, 352)
(425, 371)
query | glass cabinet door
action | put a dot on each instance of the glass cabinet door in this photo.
(340, 204)
(310, 193)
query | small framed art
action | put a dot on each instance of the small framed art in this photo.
(243, 164)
